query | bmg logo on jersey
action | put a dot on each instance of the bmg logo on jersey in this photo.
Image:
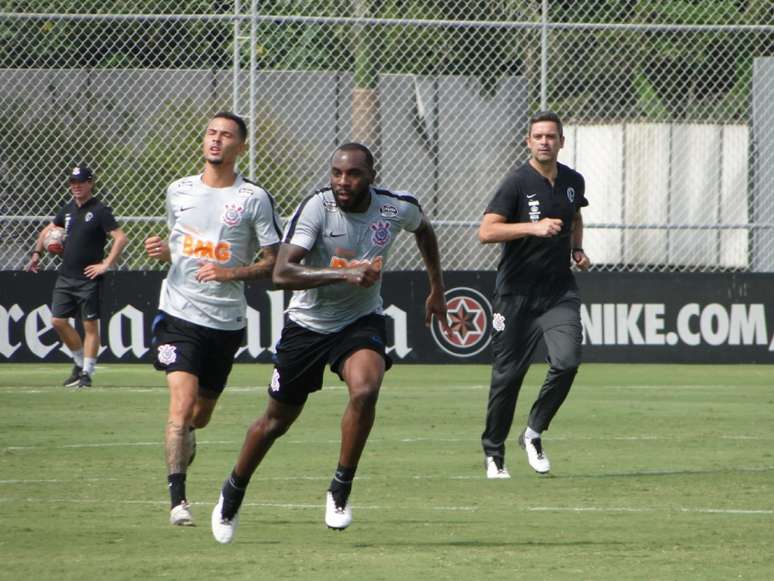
(220, 251)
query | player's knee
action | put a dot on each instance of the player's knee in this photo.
(565, 366)
(271, 427)
(364, 396)
(90, 327)
(201, 420)
(59, 324)
(567, 361)
(181, 411)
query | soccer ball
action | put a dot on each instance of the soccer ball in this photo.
(54, 240)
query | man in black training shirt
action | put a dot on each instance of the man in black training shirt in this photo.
(536, 215)
(87, 222)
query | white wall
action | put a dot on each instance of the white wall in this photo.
(664, 175)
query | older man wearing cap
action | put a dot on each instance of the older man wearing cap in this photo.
(87, 223)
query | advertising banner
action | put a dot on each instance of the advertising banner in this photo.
(637, 317)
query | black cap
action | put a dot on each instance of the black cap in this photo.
(81, 173)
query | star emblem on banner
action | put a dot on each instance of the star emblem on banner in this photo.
(466, 319)
(468, 313)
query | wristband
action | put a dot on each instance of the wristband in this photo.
(577, 250)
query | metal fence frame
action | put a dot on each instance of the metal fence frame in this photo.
(244, 17)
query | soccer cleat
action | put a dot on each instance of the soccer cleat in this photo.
(495, 468)
(181, 515)
(84, 381)
(74, 378)
(223, 529)
(535, 455)
(337, 517)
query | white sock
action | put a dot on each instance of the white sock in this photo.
(78, 358)
(530, 434)
(89, 363)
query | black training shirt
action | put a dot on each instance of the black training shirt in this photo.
(527, 196)
(87, 228)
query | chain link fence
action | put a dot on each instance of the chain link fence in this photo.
(667, 106)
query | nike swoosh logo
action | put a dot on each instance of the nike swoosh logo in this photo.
(188, 208)
(530, 196)
(332, 235)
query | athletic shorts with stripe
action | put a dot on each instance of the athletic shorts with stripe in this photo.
(204, 352)
(303, 354)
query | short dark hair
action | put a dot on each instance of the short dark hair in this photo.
(236, 119)
(545, 116)
(354, 146)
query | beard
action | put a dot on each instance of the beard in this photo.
(355, 198)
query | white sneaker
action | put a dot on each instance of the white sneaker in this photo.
(493, 471)
(335, 517)
(535, 455)
(223, 529)
(181, 515)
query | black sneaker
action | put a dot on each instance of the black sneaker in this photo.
(84, 381)
(74, 378)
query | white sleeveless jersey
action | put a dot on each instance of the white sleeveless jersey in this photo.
(333, 238)
(221, 225)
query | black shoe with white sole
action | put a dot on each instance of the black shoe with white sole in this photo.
(74, 378)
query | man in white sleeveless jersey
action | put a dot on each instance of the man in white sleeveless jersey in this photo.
(217, 222)
(332, 256)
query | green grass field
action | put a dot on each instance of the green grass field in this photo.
(659, 472)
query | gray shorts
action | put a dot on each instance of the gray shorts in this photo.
(75, 297)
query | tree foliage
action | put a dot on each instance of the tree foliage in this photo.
(680, 74)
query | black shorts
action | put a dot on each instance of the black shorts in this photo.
(76, 297)
(204, 352)
(302, 354)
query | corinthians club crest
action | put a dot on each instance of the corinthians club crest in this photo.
(381, 233)
(232, 214)
(469, 315)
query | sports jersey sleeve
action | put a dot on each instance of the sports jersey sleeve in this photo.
(59, 219)
(412, 214)
(505, 200)
(305, 225)
(107, 220)
(266, 222)
(168, 208)
(580, 195)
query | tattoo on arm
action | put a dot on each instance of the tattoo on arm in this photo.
(261, 269)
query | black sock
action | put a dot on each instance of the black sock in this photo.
(176, 483)
(341, 485)
(233, 492)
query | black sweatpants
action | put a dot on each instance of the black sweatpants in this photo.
(519, 323)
